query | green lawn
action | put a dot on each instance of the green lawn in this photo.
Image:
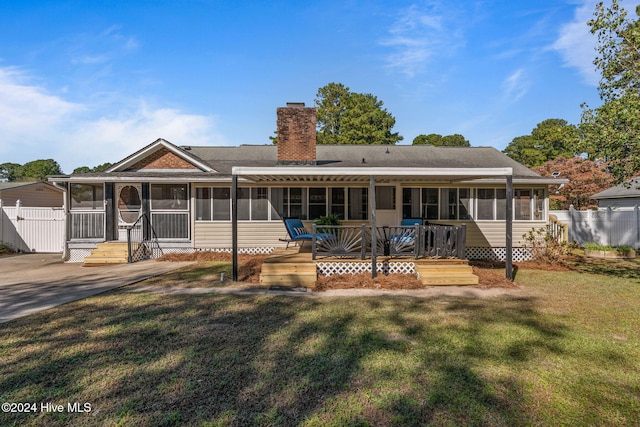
(562, 351)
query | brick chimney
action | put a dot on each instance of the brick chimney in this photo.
(296, 134)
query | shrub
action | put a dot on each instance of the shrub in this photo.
(543, 246)
(592, 246)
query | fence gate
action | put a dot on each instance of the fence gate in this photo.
(32, 229)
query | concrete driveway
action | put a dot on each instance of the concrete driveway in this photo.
(35, 282)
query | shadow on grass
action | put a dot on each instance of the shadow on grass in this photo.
(152, 360)
(620, 268)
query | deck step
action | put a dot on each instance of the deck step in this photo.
(286, 273)
(446, 274)
(108, 253)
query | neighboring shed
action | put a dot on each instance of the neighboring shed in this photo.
(31, 194)
(625, 195)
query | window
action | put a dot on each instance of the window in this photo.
(87, 196)
(386, 198)
(430, 203)
(213, 204)
(203, 204)
(169, 197)
(522, 204)
(358, 203)
(485, 204)
(337, 202)
(538, 212)
(411, 203)
(260, 204)
(501, 204)
(317, 202)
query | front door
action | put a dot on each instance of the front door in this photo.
(386, 206)
(128, 207)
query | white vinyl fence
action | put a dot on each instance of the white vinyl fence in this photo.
(606, 226)
(32, 229)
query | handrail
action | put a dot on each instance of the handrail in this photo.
(558, 229)
(142, 242)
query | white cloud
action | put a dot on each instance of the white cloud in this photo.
(576, 44)
(39, 125)
(515, 86)
(417, 35)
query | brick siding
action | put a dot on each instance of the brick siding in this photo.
(296, 134)
(162, 159)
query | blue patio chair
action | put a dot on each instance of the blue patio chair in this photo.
(298, 233)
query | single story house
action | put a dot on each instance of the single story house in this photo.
(220, 198)
(625, 195)
(31, 194)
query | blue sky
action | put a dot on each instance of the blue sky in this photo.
(88, 82)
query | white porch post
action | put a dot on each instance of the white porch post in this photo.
(234, 226)
(374, 243)
(509, 229)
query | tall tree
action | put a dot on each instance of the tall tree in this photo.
(455, 140)
(550, 139)
(8, 171)
(345, 117)
(38, 170)
(331, 103)
(612, 131)
(86, 169)
(586, 178)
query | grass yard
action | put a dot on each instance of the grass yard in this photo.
(563, 350)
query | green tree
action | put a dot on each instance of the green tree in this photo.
(345, 117)
(455, 140)
(86, 169)
(611, 132)
(331, 103)
(431, 139)
(8, 171)
(38, 170)
(550, 139)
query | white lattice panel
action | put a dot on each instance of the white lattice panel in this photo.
(498, 254)
(263, 250)
(77, 255)
(327, 268)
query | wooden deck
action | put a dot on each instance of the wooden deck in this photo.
(295, 267)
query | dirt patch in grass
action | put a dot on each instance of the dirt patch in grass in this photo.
(249, 266)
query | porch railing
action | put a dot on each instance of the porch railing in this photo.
(86, 225)
(441, 241)
(142, 241)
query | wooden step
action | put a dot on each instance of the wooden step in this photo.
(446, 274)
(108, 253)
(289, 274)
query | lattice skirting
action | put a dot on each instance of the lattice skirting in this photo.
(327, 268)
(265, 250)
(77, 255)
(498, 254)
(250, 251)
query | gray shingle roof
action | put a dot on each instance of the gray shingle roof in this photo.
(223, 159)
(622, 191)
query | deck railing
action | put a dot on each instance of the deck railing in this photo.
(441, 241)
